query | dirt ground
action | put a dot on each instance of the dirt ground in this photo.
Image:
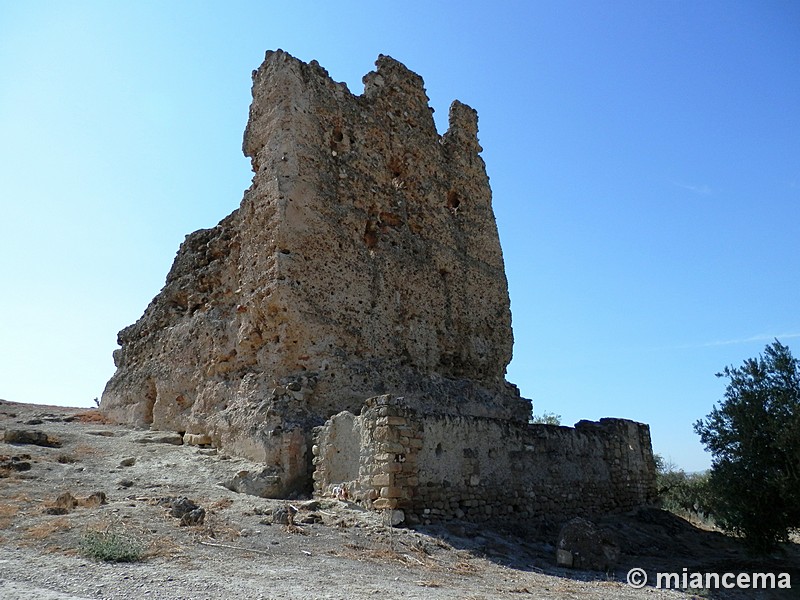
(331, 550)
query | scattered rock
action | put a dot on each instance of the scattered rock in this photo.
(66, 501)
(102, 433)
(162, 437)
(583, 545)
(186, 510)
(93, 500)
(311, 518)
(125, 483)
(196, 439)
(32, 437)
(55, 510)
(127, 462)
(182, 506)
(14, 463)
(265, 484)
(283, 515)
(194, 517)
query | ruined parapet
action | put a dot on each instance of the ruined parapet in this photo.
(364, 259)
(440, 467)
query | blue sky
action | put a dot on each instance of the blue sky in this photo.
(644, 159)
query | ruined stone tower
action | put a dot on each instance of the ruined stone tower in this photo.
(364, 259)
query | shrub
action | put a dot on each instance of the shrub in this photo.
(111, 547)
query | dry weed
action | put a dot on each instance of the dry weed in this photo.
(46, 529)
(464, 568)
(7, 514)
(93, 416)
(165, 547)
(222, 504)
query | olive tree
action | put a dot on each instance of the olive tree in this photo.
(753, 435)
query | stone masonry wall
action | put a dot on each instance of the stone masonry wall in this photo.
(443, 467)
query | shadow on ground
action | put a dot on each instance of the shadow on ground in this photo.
(651, 539)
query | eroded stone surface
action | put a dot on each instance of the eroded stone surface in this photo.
(364, 259)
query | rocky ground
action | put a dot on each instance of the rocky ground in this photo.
(66, 474)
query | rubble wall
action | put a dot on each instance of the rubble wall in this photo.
(439, 467)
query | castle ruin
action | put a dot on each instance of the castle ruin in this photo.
(356, 303)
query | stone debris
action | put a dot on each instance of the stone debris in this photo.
(184, 509)
(284, 515)
(16, 464)
(30, 436)
(66, 502)
(583, 545)
(265, 484)
(175, 439)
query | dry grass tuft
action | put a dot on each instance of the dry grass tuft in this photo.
(222, 504)
(93, 416)
(46, 529)
(7, 514)
(164, 547)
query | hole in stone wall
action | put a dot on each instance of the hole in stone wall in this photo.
(370, 235)
(453, 200)
(438, 450)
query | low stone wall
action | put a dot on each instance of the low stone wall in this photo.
(439, 467)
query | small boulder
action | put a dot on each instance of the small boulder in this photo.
(283, 515)
(583, 545)
(162, 437)
(265, 484)
(182, 506)
(194, 517)
(32, 437)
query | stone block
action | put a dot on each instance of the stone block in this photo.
(382, 480)
(391, 492)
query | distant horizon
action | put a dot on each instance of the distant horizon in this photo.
(644, 160)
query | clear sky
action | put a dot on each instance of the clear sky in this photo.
(644, 159)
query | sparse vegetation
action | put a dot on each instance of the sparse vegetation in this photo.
(754, 437)
(546, 418)
(111, 547)
(685, 494)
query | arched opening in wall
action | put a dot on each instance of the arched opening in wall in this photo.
(453, 200)
(150, 395)
(438, 450)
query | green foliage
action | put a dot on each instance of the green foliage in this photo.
(754, 437)
(546, 418)
(111, 547)
(681, 493)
